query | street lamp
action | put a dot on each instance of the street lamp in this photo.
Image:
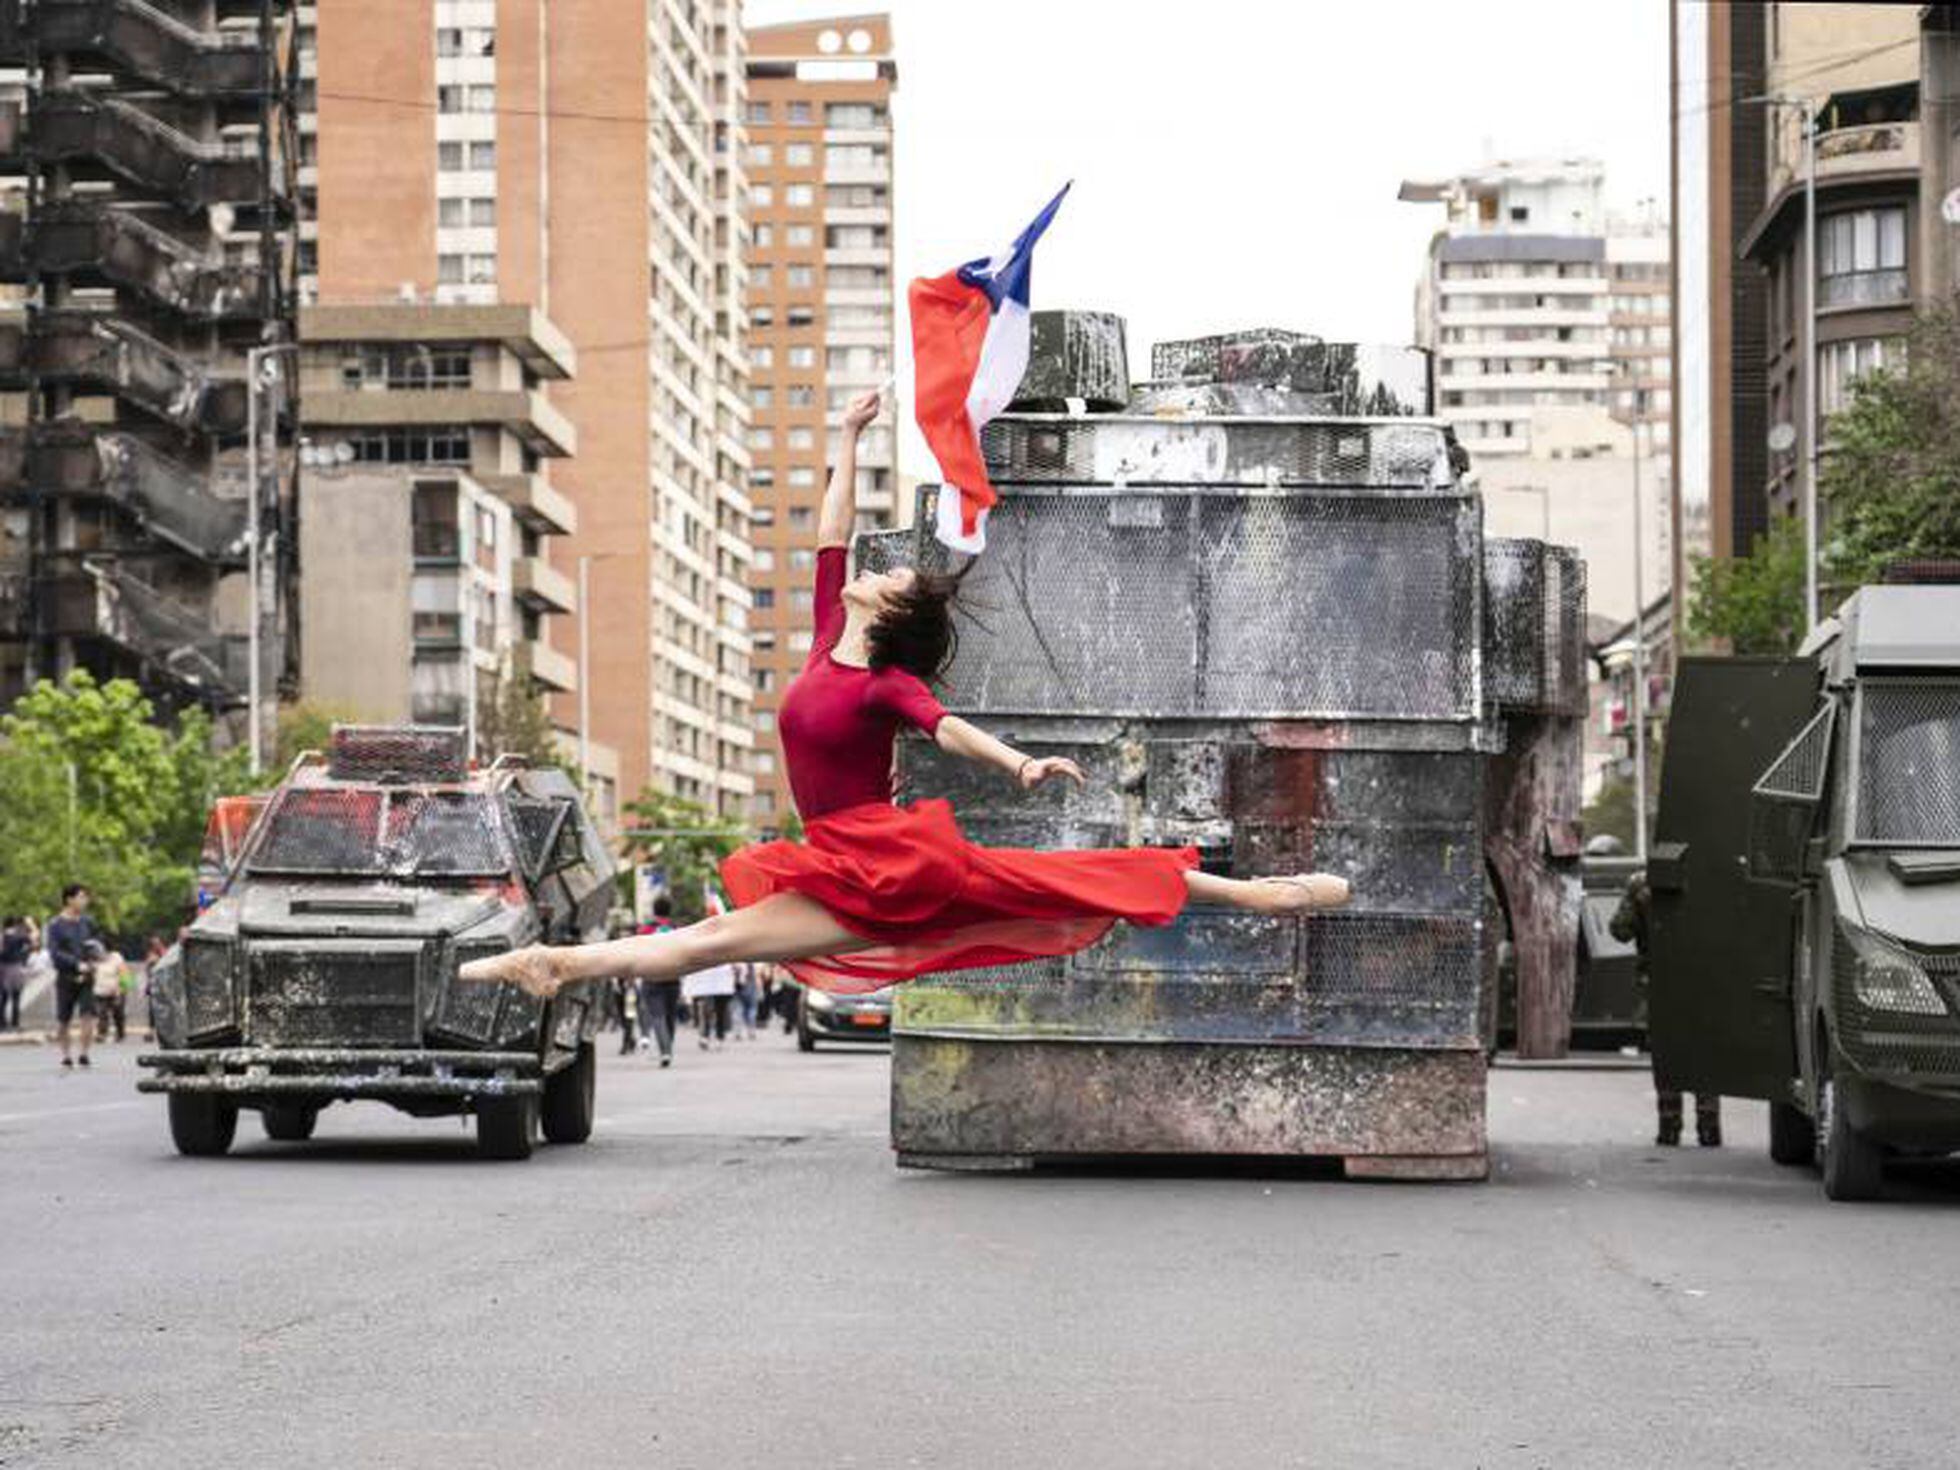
(260, 371)
(1807, 368)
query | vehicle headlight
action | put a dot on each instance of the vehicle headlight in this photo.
(1887, 979)
(207, 967)
(820, 1000)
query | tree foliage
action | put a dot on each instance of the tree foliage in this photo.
(512, 717)
(1891, 476)
(1754, 603)
(685, 840)
(93, 791)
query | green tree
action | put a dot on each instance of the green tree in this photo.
(93, 791)
(512, 717)
(303, 726)
(685, 839)
(1753, 603)
(1891, 475)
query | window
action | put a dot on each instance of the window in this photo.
(482, 269)
(758, 112)
(765, 598)
(799, 155)
(800, 395)
(1519, 214)
(762, 397)
(802, 438)
(852, 115)
(762, 438)
(762, 196)
(802, 357)
(761, 316)
(1861, 257)
(483, 156)
(449, 270)
(449, 157)
(799, 641)
(761, 357)
(762, 277)
(802, 477)
(449, 99)
(449, 213)
(762, 478)
(800, 196)
(799, 237)
(763, 559)
(765, 721)
(854, 237)
(801, 518)
(761, 155)
(802, 559)
(801, 316)
(483, 99)
(800, 275)
(764, 236)
(449, 41)
(799, 112)
(439, 444)
(483, 212)
(800, 599)
(1840, 364)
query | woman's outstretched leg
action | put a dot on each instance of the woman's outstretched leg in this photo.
(1287, 895)
(783, 926)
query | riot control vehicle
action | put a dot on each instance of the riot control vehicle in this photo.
(323, 967)
(1805, 939)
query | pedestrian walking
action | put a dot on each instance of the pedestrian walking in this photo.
(746, 996)
(74, 991)
(626, 1004)
(109, 978)
(660, 999)
(711, 993)
(1629, 925)
(880, 893)
(17, 943)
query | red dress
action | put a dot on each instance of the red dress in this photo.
(905, 878)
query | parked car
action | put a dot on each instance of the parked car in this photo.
(821, 1016)
(323, 967)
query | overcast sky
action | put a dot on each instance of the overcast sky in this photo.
(1236, 161)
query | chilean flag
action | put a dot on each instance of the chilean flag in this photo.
(969, 351)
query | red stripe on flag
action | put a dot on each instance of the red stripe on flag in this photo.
(949, 324)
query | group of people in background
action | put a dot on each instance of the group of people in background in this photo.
(718, 1001)
(93, 979)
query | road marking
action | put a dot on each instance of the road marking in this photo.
(63, 1112)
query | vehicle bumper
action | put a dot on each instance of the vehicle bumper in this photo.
(343, 1072)
(1910, 1112)
(840, 1026)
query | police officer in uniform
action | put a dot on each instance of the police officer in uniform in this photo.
(1629, 925)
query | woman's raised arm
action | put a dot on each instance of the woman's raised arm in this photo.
(839, 512)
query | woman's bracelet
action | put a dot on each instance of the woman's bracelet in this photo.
(1021, 769)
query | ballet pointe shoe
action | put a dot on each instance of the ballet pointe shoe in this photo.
(533, 969)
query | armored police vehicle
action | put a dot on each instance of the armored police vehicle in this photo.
(324, 968)
(1805, 939)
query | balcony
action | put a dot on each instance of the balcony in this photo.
(525, 412)
(534, 502)
(110, 138)
(1889, 287)
(539, 585)
(105, 354)
(557, 672)
(1885, 147)
(110, 247)
(169, 500)
(105, 602)
(133, 39)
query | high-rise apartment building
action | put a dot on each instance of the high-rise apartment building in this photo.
(1738, 176)
(1548, 319)
(820, 320)
(578, 162)
(148, 237)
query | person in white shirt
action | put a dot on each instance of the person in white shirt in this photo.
(710, 992)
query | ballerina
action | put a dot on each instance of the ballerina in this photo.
(880, 893)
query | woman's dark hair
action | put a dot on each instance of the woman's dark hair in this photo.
(915, 630)
(662, 906)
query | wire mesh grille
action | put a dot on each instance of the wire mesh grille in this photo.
(1889, 1040)
(1909, 763)
(390, 754)
(1798, 773)
(1783, 803)
(379, 833)
(1176, 603)
(332, 996)
(1534, 626)
(469, 1011)
(209, 1002)
(1034, 450)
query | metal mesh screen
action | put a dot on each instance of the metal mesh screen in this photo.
(328, 993)
(1896, 1040)
(1783, 802)
(386, 754)
(1798, 773)
(1534, 626)
(210, 1005)
(373, 833)
(1182, 603)
(1909, 762)
(469, 1012)
(1110, 450)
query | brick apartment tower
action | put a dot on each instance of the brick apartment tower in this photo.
(581, 158)
(820, 323)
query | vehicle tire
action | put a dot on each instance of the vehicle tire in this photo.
(1853, 1166)
(202, 1124)
(507, 1127)
(1792, 1136)
(289, 1122)
(806, 1039)
(568, 1098)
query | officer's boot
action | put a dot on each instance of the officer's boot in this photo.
(1708, 1120)
(1668, 1105)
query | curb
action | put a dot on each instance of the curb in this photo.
(35, 1037)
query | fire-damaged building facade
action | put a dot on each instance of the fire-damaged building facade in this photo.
(1254, 599)
(147, 246)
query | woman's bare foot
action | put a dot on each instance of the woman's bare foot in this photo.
(533, 968)
(1297, 893)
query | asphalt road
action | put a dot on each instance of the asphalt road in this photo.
(733, 1273)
